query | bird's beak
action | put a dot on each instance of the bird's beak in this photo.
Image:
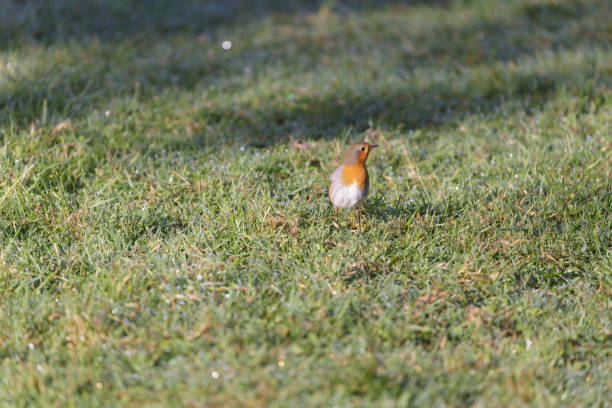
(373, 146)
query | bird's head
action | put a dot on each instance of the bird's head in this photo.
(358, 153)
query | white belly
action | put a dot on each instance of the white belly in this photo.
(346, 196)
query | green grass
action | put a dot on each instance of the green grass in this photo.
(164, 240)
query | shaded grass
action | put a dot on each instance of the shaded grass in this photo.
(166, 241)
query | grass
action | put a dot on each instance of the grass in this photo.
(165, 240)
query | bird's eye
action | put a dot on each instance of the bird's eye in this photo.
(363, 149)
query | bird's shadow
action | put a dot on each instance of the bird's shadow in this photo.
(420, 204)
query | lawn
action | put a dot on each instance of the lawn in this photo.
(166, 238)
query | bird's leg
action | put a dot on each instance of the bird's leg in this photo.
(358, 215)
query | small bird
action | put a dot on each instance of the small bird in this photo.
(350, 182)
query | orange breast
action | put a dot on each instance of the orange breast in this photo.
(355, 173)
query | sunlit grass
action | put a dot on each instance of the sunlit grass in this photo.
(166, 237)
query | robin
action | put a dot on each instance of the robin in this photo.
(350, 182)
